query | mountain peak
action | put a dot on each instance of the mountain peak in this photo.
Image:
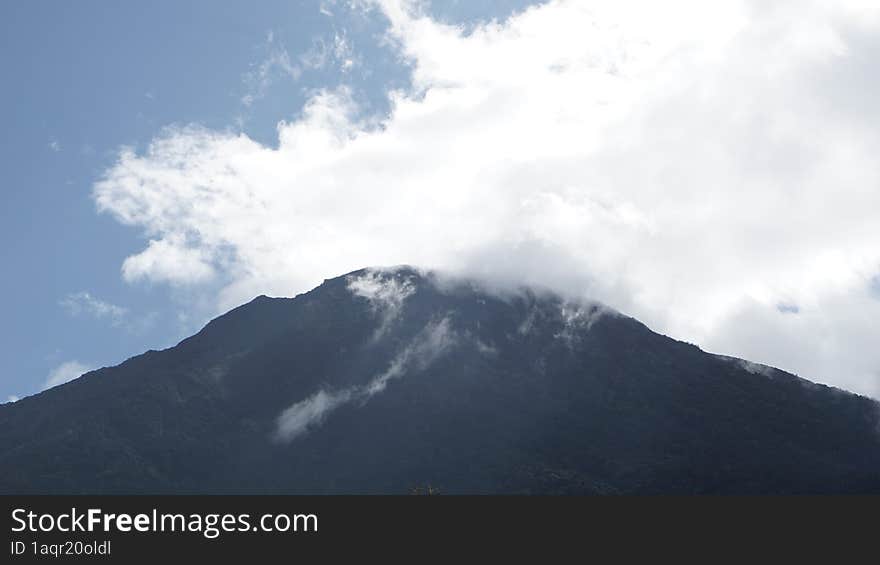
(386, 378)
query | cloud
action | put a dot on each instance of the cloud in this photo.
(11, 399)
(386, 292)
(65, 372)
(168, 261)
(576, 319)
(54, 145)
(277, 62)
(875, 286)
(84, 303)
(434, 340)
(787, 308)
(693, 164)
(336, 51)
(308, 413)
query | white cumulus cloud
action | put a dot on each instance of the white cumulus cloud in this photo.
(694, 164)
(168, 261)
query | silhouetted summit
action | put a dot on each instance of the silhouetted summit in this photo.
(383, 381)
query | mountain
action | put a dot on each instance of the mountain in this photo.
(388, 381)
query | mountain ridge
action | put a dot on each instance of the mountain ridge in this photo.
(382, 380)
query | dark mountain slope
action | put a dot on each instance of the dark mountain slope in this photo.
(384, 381)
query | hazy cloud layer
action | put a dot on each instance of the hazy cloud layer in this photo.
(694, 164)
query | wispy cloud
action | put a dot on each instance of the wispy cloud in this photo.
(277, 62)
(336, 51)
(83, 303)
(309, 413)
(86, 304)
(434, 340)
(386, 291)
(578, 318)
(65, 372)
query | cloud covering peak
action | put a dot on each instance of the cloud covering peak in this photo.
(691, 164)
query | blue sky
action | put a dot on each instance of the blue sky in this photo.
(709, 168)
(83, 79)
